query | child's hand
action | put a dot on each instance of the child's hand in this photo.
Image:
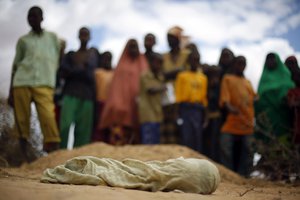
(232, 109)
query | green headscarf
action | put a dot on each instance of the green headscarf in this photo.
(278, 79)
(271, 110)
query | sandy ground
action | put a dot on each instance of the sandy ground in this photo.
(23, 183)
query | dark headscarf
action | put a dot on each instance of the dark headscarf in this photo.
(225, 60)
(292, 64)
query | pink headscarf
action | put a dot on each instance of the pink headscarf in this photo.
(121, 106)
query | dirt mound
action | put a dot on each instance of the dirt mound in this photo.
(140, 152)
(23, 182)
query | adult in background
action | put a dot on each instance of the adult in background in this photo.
(174, 62)
(33, 79)
(120, 113)
(294, 96)
(273, 116)
(79, 92)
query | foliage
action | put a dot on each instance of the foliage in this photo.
(280, 158)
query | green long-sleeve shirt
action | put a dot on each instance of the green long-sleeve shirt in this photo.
(36, 60)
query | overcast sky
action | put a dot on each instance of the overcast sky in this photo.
(251, 28)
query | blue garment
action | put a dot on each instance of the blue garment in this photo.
(211, 138)
(191, 129)
(236, 152)
(150, 133)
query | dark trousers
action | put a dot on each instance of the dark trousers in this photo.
(236, 153)
(191, 125)
(212, 139)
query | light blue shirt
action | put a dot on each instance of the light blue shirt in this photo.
(36, 60)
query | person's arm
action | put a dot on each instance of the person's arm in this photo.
(179, 88)
(149, 87)
(70, 70)
(232, 109)
(205, 103)
(225, 98)
(155, 90)
(18, 57)
(171, 75)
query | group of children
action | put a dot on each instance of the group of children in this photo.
(149, 98)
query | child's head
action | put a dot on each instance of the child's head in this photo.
(239, 65)
(271, 62)
(106, 58)
(35, 17)
(226, 57)
(193, 60)
(192, 47)
(149, 41)
(156, 62)
(84, 35)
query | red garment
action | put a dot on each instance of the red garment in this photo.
(99, 134)
(294, 102)
(121, 106)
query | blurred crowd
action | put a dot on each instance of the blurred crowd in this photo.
(152, 97)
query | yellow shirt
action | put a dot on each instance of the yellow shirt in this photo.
(191, 87)
(103, 79)
(239, 93)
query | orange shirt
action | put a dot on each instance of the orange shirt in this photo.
(239, 93)
(103, 79)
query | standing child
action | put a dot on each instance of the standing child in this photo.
(78, 69)
(33, 80)
(237, 97)
(212, 131)
(149, 42)
(103, 77)
(150, 110)
(190, 91)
